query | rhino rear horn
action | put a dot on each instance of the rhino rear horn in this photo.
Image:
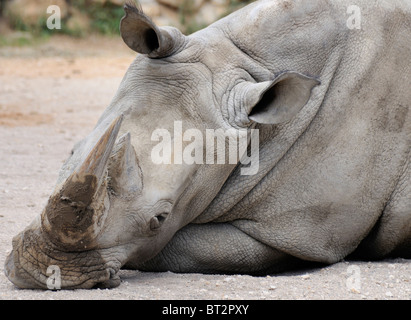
(70, 216)
(125, 176)
(141, 34)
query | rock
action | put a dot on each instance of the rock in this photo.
(98, 1)
(152, 9)
(78, 23)
(220, 3)
(305, 276)
(30, 13)
(166, 16)
(187, 5)
(209, 13)
(117, 2)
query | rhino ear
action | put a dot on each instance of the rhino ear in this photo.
(277, 101)
(141, 34)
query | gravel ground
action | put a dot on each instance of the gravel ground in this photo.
(51, 95)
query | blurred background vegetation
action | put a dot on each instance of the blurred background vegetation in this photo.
(21, 21)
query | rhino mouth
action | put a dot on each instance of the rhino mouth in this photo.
(112, 282)
(35, 264)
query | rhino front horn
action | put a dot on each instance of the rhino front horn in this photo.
(75, 213)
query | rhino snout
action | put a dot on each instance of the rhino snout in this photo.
(22, 279)
(14, 274)
(34, 263)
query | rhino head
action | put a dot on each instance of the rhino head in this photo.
(112, 205)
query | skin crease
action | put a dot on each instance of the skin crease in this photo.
(334, 180)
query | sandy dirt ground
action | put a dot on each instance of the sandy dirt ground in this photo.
(51, 95)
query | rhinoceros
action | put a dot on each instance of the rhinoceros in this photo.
(325, 85)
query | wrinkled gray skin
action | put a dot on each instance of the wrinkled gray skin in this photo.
(332, 106)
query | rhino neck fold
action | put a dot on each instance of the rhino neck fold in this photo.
(275, 142)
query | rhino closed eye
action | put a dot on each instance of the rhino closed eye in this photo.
(157, 221)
